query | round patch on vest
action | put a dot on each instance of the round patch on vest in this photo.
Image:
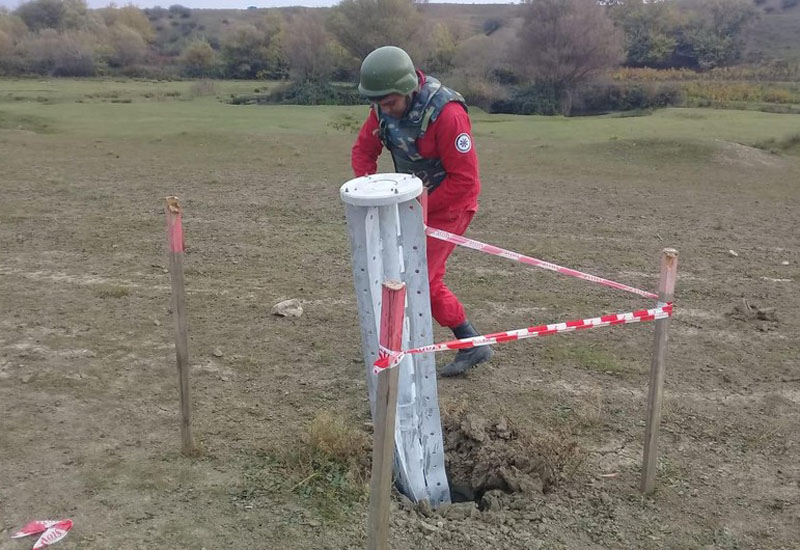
(463, 143)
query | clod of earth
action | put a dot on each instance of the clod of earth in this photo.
(751, 312)
(487, 459)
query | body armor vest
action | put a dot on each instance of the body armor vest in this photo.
(400, 136)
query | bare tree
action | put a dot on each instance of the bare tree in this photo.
(363, 25)
(564, 43)
(6, 50)
(308, 49)
(71, 53)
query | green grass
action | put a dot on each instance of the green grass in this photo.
(112, 291)
(787, 144)
(27, 122)
(587, 356)
(65, 90)
(176, 111)
(329, 467)
(665, 124)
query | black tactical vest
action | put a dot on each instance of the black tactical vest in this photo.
(400, 136)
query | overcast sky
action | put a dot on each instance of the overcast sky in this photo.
(240, 4)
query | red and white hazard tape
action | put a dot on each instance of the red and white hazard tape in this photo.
(503, 253)
(51, 531)
(391, 358)
(388, 358)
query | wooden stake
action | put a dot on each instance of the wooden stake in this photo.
(176, 246)
(666, 289)
(392, 314)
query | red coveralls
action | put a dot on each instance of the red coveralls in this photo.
(450, 207)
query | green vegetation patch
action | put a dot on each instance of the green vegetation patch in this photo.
(29, 123)
(589, 356)
(329, 467)
(303, 93)
(744, 92)
(658, 150)
(789, 144)
(345, 122)
(112, 291)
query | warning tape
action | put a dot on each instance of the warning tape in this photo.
(389, 358)
(503, 253)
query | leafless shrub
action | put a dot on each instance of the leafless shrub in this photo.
(564, 43)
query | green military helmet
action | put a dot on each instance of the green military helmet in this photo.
(387, 70)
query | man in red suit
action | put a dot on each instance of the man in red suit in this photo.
(426, 128)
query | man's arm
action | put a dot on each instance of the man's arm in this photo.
(456, 149)
(367, 148)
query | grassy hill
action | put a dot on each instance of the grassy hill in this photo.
(777, 34)
(475, 17)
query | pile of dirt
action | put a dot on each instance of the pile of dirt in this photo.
(763, 318)
(484, 457)
(736, 154)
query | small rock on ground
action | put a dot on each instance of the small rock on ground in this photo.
(288, 308)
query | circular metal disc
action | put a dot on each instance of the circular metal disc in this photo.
(381, 189)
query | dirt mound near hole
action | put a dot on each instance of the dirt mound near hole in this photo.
(737, 154)
(483, 456)
(763, 318)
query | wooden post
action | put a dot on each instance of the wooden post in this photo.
(666, 289)
(176, 246)
(391, 337)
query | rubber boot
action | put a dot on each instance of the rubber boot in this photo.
(467, 358)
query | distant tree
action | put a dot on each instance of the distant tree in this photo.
(199, 59)
(12, 30)
(42, 14)
(651, 31)
(6, 52)
(478, 56)
(443, 50)
(715, 33)
(131, 17)
(54, 14)
(12, 25)
(156, 13)
(251, 51)
(129, 48)
(49, 52)
(564, 43)
(363, 25)
(180, 11)
(243, 48)
(308, 49)
(475, 63)
(76, 15)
